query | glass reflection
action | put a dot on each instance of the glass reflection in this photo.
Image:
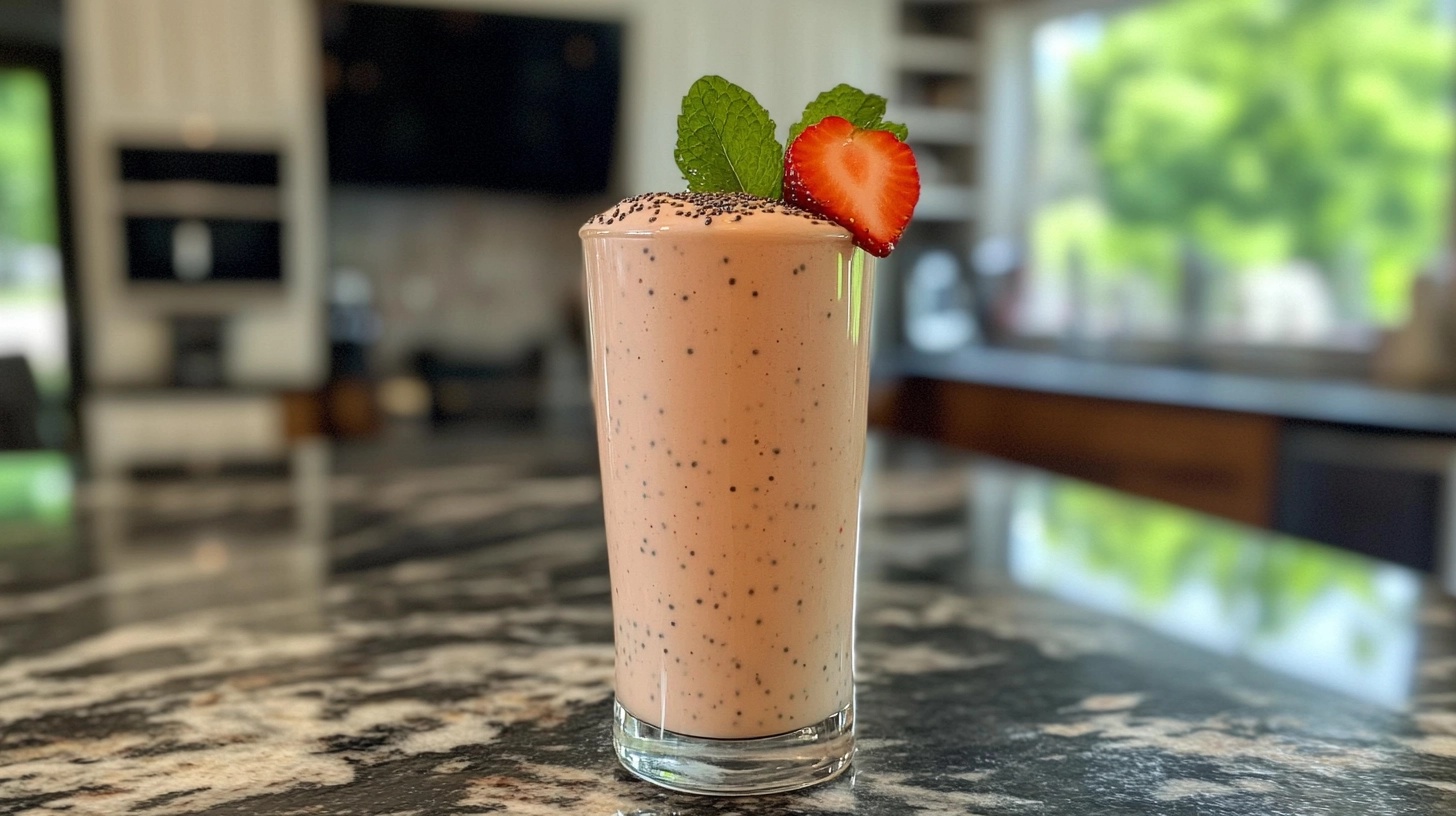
(252, 548)
(36, 496)
(1336, 619)
(914, 513)
(37, 510)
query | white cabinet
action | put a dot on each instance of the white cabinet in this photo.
(240, 74)
(238, 63)
(131, 430)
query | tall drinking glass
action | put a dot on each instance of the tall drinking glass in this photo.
(730, 351)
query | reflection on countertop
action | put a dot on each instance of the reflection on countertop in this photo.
(1332, 618)
(423, 625)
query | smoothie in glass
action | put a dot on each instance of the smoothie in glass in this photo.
(729, 343)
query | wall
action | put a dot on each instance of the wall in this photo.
(784, 51)
(478, 274)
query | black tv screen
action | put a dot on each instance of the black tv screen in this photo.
(433, 97)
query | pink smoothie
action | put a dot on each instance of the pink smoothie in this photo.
(729, 344)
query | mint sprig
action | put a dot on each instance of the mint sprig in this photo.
(863, 110)
(725, 141)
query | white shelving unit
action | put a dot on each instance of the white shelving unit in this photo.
(938, 126)
(936, 54)
(937, 65)
(952, 204)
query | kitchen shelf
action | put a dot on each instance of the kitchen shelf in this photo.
(946, 202)
(935, 54)
(946, 126)
(939, 17)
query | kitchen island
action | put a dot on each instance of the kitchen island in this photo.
(423, 626)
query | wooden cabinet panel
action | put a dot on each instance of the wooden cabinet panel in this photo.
(1217, 462)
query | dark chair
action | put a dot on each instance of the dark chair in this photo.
(19, 405)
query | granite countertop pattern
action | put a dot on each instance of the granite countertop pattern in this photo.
(425, 629)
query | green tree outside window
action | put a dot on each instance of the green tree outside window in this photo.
(27, 194)
(1259, 132)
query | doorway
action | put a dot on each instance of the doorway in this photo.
(38, 372)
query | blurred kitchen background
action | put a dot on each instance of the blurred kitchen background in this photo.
(1198, 251)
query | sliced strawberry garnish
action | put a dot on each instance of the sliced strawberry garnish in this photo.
(864, 180)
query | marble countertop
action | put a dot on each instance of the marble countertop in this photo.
(423, 627)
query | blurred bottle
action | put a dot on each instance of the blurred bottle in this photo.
(353, 323)
(938, 317)
(997, 263)
(1076, 329)
(1194, 299)
(1421, 354)
(351, 406)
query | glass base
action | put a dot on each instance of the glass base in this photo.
(734, 767)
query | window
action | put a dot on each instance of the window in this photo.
(1273, 172)
(32, 299)
(33, 321)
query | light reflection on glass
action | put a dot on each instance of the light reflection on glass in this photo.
(1332, 618)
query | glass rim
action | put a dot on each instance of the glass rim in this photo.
(832, 232)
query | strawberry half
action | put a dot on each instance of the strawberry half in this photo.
(864, 180)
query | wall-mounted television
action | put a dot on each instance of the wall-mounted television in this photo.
(425, 97)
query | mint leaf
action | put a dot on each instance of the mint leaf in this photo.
(863, 110)
(725, 141)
